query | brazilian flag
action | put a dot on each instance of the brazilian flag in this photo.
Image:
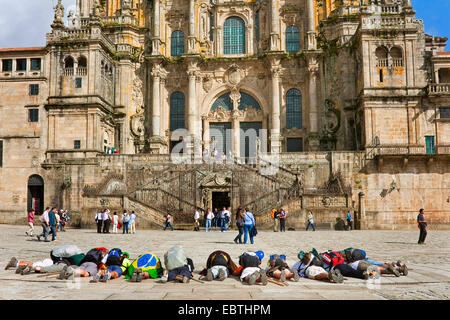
(149, 263)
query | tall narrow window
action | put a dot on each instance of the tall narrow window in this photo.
(177, 43)
(77, 144)
(78, 82)
(33, 115)
(34, 89)
(257, 26)
(36, 64)
(177, 113)
(211, 26)
(21, 65)
(292, 39)
(429, 143)
(234, 36)
(293, 109)
(7, 65)
(1, 153)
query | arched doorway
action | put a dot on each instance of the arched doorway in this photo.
(35, 194)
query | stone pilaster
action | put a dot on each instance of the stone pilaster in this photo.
(275, 138)
(312, 44)
(191, 36)
(275, 27)
(156, 40)
(313, 68)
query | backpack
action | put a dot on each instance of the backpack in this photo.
(219, 260)
(332, 258)
(277, 261)
(247, 260)
(353, 255)
(95, 255)
(175, 258)
(114, 257)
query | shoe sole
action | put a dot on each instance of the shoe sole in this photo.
(283, 276)
(263, 278)
(253, 277)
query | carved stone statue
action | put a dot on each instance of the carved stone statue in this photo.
(59, 13)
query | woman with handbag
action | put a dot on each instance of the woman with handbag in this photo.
(239, 225)
(249, 226)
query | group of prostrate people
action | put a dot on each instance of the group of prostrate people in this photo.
(103, 265)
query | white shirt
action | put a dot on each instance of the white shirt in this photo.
(196, 215)
(132, 217)
(115, 219)
(44, 217)
(210, 216)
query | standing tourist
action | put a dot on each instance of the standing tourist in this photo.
(349, 220)
(52, 222)
(115, 220)
(45, 225)
(228, 217)
(282, 217)
(209, 217)
(274, 216)
(58, 220)
(196, 222)
(249, 224)
(240, 225)
(216, 218)
(99, 221)
(125, 221)
(169, 221)
(310, 221)
(30, 223)
(132, 222)
(422, 226)
(223, 220)
(105, 218)
(63, 215)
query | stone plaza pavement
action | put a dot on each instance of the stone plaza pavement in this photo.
(429, 278)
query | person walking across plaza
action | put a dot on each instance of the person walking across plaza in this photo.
(310, 221)
(30, 222)
(196, 220)
(282, 217)
(422, 226)
(208, 220)
(249, 224)
(349, 221)
(240, 225)
(125, 221)
(274, 216)
(169, 221)
(52, 222)
(45, 225)
(132, 222)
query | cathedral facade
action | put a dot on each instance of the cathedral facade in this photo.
(350, 98)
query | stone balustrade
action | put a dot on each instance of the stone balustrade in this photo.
(439, 89)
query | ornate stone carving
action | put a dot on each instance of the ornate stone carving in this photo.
(137, 123)
(207, 83)
(222, 115)
(233, 76)
(175, 19)
(59, 14)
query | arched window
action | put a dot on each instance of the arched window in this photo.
(397, 57)
(68, 62)
(292, 39)
(234, 36)
(246, 101)
(177, 113)
(82, 66)
(293, 109)
(177, 43)
(382, 56)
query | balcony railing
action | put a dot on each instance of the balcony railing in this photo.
(403, 149)
(390, 9)
(68, 72)
(438, 89)
(81, 71)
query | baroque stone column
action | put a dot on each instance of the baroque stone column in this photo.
(311, 29)
(313, 68)
(275, 27)
(156, 40)
(191, 36)
(275, 138)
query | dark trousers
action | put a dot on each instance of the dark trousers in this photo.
(310, 224)
(423, 233)
(53, 232)
(348, 271)
(45, 231)
(282, 225)
(106, 226)
(99, 226)
(182, 271)
(168, 224)
(349, 223)
(241, 232)
(125, 227)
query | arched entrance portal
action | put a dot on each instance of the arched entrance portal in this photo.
(36, 194)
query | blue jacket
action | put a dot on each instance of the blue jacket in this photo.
(52, 219)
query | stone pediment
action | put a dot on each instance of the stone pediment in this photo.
(215, 180)
(222, 115)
